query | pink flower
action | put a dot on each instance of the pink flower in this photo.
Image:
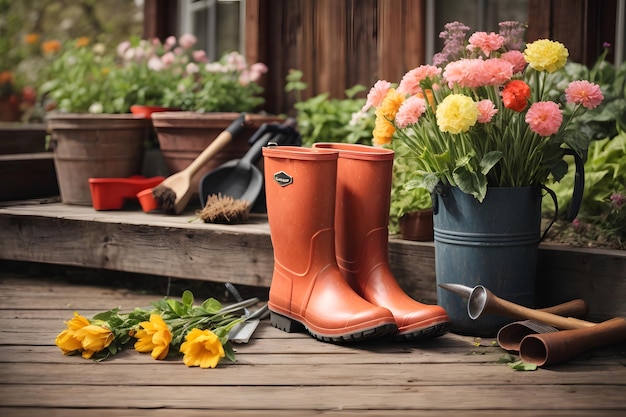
(617, 200)
(168, 59)
(410, 83)
(187, 41)
(585, 93)
(192, 68)
(200, 56)
(495, 72)
(155, 63)
(486, 42)
(486, 111)
(464, 72)
(410, 111)
(169, 43)
(544, 118)
(376, 94)
(122, 48)
(516, 58)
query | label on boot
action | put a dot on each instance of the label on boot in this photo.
(283, 179)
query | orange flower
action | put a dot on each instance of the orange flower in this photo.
(50, 47)
(31, 38)
(6, 77)
(515, 95)
(82, 41)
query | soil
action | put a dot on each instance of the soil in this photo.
(584, 236)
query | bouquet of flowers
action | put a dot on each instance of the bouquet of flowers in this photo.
(489, 112)
(200, 333)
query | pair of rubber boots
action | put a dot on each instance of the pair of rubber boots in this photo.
(328, 213)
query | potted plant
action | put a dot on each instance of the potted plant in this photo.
(411, 212)
(210, 95)
(92, 133)
(487, 133)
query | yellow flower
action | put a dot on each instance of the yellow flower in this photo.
(93, 339)
(202, 348)
(385, 114)
(546, 55)
(154, 336)
(456, 114)
(67, 340)
(383, 130)
(391, 103)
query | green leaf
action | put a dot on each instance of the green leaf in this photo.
(489, 161)
(187, 298)
(522, 366)
(177, 307)
(211, 305)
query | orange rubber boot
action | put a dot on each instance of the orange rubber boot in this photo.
(364, 175)
(308, 289)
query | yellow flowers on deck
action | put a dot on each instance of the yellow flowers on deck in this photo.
(200, 333)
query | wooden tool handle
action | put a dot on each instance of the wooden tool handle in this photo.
(574, 308)
(218, 143)
(500, 306)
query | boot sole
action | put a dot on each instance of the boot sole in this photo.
(290, 325)
(423, 334)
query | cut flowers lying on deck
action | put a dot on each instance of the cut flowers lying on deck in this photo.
(488, 113)
(200, 333)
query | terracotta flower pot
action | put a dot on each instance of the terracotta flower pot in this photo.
(95, 146)
(183, 136)
(417, 225)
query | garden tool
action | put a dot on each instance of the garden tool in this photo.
(482, 301)
(240, 178)
(575, 308)
(242, 332)
(362, 239)
(555, 347)
(510, 335)
(173, 194)
(308, 289)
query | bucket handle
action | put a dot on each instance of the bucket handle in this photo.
(577, 193)
(579, 185)
(556, 211)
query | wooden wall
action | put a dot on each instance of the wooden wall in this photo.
(340, 43)
(336, 44)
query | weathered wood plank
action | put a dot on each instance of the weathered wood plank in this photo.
(136, 412)
(175, 373)
(594, 399)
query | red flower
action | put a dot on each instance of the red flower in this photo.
(515, 95)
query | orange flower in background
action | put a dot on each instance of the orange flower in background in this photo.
(6, 77)
(82, 42)
(31, 38)
(50, 47)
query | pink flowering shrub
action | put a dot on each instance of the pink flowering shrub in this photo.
(176, 74)
(485, 114)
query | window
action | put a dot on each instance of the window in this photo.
(218, 25)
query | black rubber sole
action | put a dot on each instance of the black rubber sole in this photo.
(424, 334)
(290, 325)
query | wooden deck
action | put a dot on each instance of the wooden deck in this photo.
(129, 240)
(277, 374)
